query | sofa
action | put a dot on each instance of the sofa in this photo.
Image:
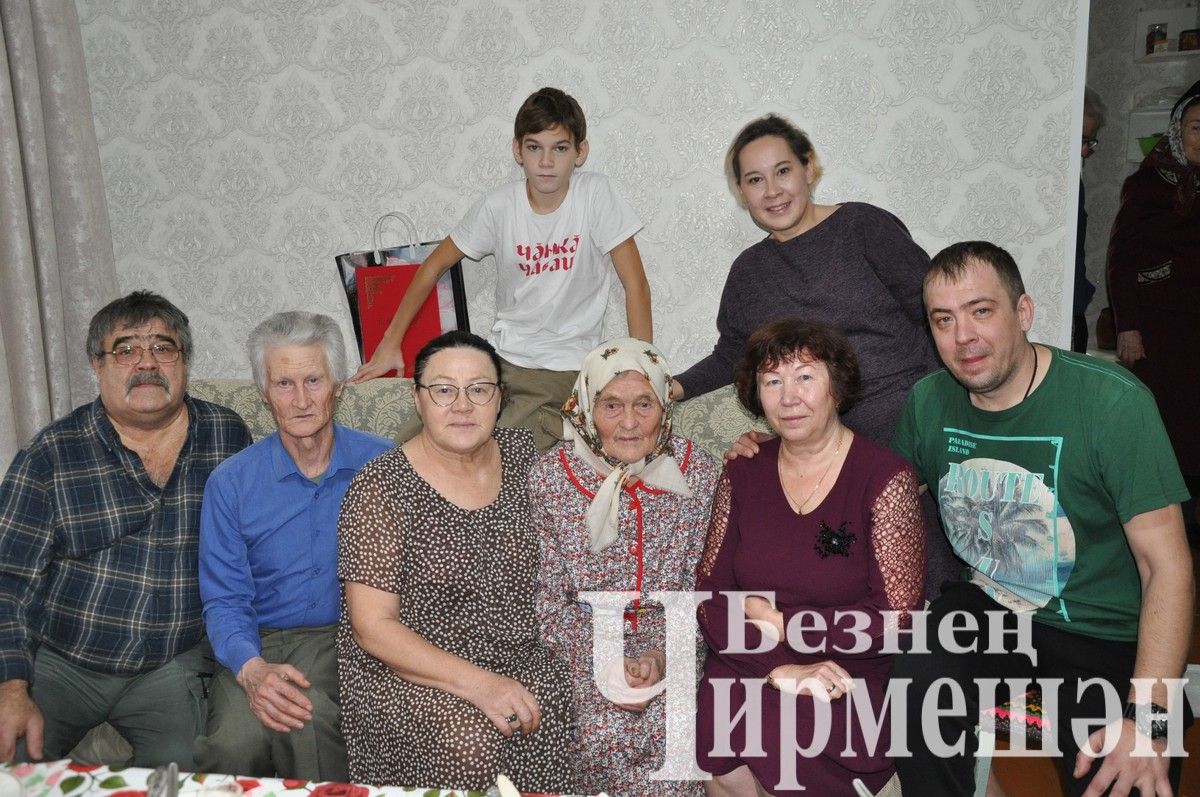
(383, 406)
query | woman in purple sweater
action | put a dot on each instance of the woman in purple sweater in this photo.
(852, 266)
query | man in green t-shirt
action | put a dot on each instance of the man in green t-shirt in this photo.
(1058, 487)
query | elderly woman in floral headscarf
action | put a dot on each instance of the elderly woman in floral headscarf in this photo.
(621, 505)
(1154, 279)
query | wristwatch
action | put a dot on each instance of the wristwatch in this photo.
(1151, 723)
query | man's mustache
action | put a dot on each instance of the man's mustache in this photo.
(147, 378)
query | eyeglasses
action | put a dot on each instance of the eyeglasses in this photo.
(129, 354)
(1090, 144)
(478, 393)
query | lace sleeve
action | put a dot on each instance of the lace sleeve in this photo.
(718, 525)
(898, 537)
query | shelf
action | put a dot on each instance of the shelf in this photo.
(1159, 58)
(1176, 20)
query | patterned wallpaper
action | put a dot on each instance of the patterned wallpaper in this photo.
(1123, 85)
(245, 142)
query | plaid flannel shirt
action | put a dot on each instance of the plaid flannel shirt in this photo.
(97, 561)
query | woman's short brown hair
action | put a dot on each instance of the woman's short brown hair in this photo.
(787, 339)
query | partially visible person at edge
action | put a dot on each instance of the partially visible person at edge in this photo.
(1057, 485)
(444, 680)
(558, 238)
(828, 521)
(1093, 120)
(622, 505)
(268, 563)
(852, 266)
(99, 531)
(1154, 284)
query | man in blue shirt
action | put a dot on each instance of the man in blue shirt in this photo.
(268, 563)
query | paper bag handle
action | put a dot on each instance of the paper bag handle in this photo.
(405, 221)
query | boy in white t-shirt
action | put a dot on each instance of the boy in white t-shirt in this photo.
(554, 235)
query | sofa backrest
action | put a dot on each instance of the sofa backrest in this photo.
(383, 406)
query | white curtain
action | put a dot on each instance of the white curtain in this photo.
(56, 255)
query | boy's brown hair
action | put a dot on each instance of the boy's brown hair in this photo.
(546, 108)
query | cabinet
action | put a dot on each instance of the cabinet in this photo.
(1149, 118)
(1175, 20)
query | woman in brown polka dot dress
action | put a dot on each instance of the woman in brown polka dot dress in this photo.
(444, 682)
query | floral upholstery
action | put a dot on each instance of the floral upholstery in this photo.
(383, 406)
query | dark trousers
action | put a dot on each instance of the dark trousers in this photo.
(159, 712)
(1071, 657)
(237, 741)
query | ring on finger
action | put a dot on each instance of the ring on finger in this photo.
(513, 719)
(833, 687)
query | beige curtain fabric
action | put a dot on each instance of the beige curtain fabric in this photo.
(56, 255)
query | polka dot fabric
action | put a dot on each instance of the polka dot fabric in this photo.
(465, 581)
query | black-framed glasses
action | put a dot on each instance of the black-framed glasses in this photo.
(478, 393)
(1090, 144)
(130, 354)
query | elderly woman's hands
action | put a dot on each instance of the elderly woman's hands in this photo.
(644, 671)
(501, 699)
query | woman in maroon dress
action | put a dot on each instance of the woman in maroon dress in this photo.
(828, 522)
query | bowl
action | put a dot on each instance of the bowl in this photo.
(1147, 142)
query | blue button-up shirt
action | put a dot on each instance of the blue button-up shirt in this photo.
(268, 542)
(96, 560)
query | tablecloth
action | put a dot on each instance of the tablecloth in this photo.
(65, 779)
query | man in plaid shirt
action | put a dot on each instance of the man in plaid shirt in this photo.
(99, 530)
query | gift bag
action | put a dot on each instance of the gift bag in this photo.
(375, 281)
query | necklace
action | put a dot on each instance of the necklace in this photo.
(1032, 376)
(800, 506)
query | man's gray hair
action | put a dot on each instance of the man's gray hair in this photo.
(1093, 106)
(296, 328)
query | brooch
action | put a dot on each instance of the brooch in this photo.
(834, 541)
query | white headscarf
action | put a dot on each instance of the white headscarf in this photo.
(659, 470)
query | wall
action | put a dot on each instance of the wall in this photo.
(1123, 85)
(245, 142)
